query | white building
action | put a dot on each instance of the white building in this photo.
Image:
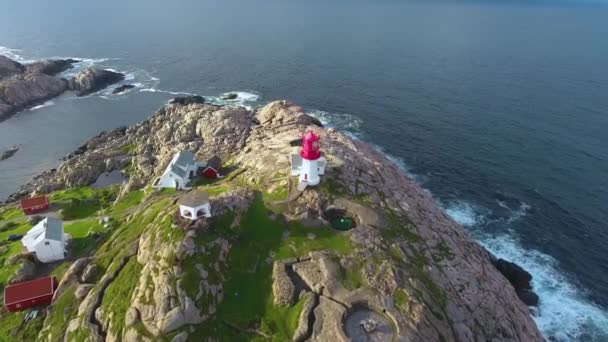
(180, 172)
(46, 240)
(194, 204)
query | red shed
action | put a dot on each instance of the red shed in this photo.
(20, 296)
(212, 169)
(34, 205)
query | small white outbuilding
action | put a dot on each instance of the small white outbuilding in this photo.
(194, 204)
(46, 240)
(180, 172)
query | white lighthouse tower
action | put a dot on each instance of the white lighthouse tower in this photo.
(309, 164)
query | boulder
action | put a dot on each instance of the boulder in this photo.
(131, 316)
(122, 88)
(230, 96)
(91, 80)
(89, 273)
(283, 289)
(528, 297)
(517, 276)
(82, 291)
(9, 153)
(188, 100)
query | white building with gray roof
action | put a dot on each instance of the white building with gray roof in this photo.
(46, 240)
(180, 172)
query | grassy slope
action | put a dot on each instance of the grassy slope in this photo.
(246, 278)
(248, 286)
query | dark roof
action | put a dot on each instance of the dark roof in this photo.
(178, 171)
(215, 163)
(33, 202)
(184, 158)
(19, 292)
(194, 198)
(53, 229)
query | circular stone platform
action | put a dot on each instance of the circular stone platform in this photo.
(362, 324)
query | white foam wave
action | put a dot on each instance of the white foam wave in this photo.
(464, 213)
(243, 99)
(46, 104)
(154, 90)
(341, 121)
(14, 54)
(563, 314)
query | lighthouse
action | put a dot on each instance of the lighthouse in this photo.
(309, 164)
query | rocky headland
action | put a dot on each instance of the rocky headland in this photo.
(26, 85)
(268, 265)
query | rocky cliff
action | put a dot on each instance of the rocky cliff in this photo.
(268, 264)
(22, 86)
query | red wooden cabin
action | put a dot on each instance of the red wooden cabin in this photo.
(21, 296)
(34, 205)
(212, 169)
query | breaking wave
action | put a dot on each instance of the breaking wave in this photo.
(243, 99)
(563, 313)
(14, 54)
(464, 213)
(344, 122)
(46, 104)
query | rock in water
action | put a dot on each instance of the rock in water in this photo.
(20, 91)
(9, 153)
(230, 96)
(517, 276)
(51, 67)
(122, 88)
(91, 80)
(26, 85)
(528, 297)
(187, 100)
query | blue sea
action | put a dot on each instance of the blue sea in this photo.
(499, 108)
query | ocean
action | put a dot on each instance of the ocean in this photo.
(499, 109)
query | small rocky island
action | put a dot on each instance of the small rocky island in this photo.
(26, 85)
(365, 255)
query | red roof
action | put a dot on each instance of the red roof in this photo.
(19, 292)
(34, 202)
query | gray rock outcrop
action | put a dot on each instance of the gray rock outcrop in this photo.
(91, 80)
(26, 85)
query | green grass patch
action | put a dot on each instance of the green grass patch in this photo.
(248, 285)
(83, 242)
(117, 297)
(132, 199)
(401, 299)
(82, 202)
(12, 329)
(202, 181)
(63, 308)
(10, 248)
(298, 243)
(130, 149)
(10, 212)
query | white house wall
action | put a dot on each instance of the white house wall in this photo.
(55, 250)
